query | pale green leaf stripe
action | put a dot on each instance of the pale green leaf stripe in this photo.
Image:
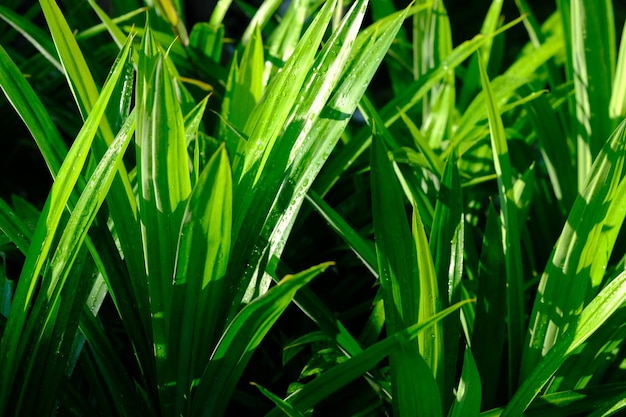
(193, 119)
(240, 340)
(430, 342)
(264, 126)
(302, 155)
(608, 234)
(325, 76)
(593, 63)
(192, 122)
(243, 91)
(340, 375)
(617, 106)
(35, 35)
(510, 228)
(85, 93)
(40, 247)
(592, 317)
(364, 60)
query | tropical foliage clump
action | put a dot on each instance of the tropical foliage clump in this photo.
(332, 210)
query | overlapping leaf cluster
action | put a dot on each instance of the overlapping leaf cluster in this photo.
(473, 210)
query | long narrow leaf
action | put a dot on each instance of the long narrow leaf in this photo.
(347, 371)
(510, 230)
(241, 339)
(198, 295)
(415, 391)
(44, 235)
(592, 317)
(567, 283)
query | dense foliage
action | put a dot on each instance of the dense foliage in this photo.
(332, 208)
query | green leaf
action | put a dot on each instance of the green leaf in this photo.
(617, 105)
(122, 200)
(415, 390)
(468, 393)
(570, 279)
(332, 88)
(434, 161)
(243, 92)
(390, 114)
(510, 229)
(552, 140)
(360, 246)
(447, 248)
(77, 71)
(111, 26)
(221, 7)
(284, 38)
(593, 63)
(340, 375)
(490, 24)
(592, 317)
(116, 380)
(34, 114)
(431, 342)
(198, 295)
(14, 228)
(49, 223)
(207, 41)
(164, 185)
(62, 276)
(284, 406)
(34, 34)
(489, 329)
(240, 340)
